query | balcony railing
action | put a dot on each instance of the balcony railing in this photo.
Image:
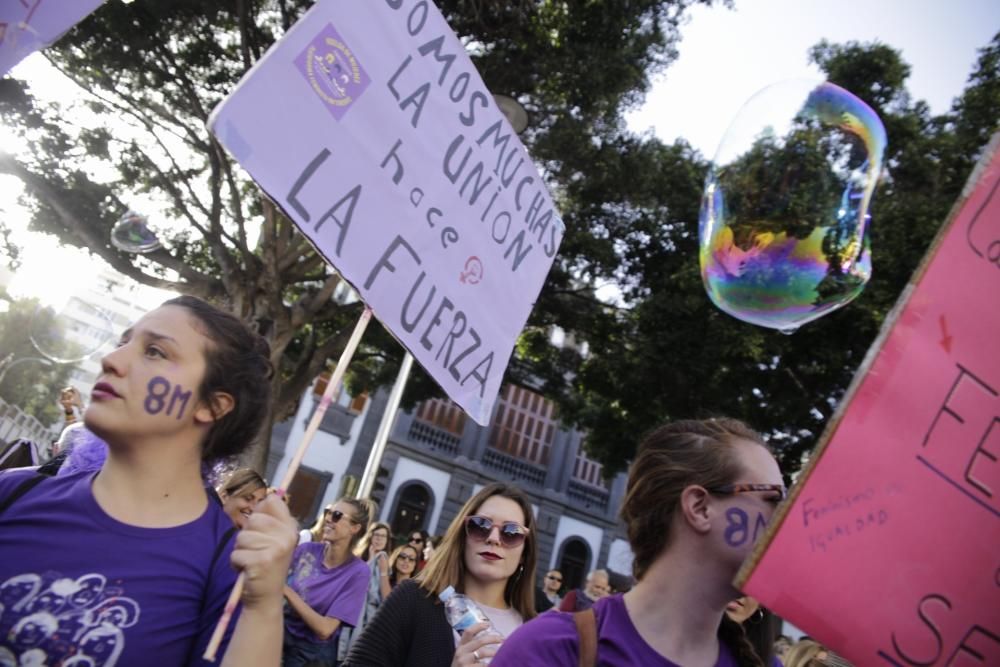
(434, 437)
(589, 496)
(512, 467)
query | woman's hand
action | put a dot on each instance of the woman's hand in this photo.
(471, 650)
(264, 551)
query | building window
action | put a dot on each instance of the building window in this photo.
(354, 404)
(443, 414)
(524, 425)
(587, 470)
(306, 492)
(413, 506)
(574, 562)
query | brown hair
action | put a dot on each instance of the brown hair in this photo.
(447, 566)
(237, 362)
(670, 459)
(361, 551)
(243, 480)
(364, 511)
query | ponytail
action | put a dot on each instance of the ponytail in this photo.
(365, 510)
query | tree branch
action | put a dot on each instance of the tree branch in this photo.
(197, 283)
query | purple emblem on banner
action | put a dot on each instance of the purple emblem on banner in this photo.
(332, 71)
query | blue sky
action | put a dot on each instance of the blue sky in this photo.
(728, 55)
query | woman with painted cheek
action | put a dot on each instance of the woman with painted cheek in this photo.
(241, 493)
(370, 549)
(402, 564)
(187, 383)
(698, 495)
(489, 554)
(327, 585)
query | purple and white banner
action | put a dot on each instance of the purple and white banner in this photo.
(29, 25)
(370, 126)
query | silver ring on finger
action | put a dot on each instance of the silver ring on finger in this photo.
(475, 655)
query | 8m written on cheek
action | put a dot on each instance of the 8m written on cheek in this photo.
(156, 397)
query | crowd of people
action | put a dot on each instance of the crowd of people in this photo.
(125, 547)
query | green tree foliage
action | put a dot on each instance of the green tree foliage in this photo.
(668, 353)
(29, 381)
(152, 72)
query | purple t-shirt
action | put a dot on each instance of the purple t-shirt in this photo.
(82, 588)
(338, 592)
(552, 639)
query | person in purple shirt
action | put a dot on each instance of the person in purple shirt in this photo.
(132, 563)
(327, 585)
(698, 494)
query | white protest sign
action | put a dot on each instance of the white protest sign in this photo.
(370, 127)
(29, 25)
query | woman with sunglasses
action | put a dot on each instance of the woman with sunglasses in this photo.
(698, 494)
(402, 564)
(488, 553)
(327, 585)
(419, 540)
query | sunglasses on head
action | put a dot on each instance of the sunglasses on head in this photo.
(334, 516)
(512, 534)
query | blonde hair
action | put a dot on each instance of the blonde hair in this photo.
(447, 566)
(365, 510)
(805, 653)
(243, 480)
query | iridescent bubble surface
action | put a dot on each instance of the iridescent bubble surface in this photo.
(71, 333)
(132, 234)
(784, 221)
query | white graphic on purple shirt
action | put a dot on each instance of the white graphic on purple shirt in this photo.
(53, 620)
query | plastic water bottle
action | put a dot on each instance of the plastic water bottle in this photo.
(462, 613)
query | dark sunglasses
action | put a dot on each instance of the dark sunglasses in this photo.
(733, 489)
(512, 534)
(407, 557)
(549, 576)
(418, 540)
(334, 516)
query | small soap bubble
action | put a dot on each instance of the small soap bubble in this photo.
(132, 234)
(784, 220)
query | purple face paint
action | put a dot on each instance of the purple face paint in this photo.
(738, 527)
(158, 388)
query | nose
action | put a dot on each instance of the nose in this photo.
(495, 529)
(114, 362)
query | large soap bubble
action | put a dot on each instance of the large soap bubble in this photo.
(71, 333)
(784, 215)
(132, 234)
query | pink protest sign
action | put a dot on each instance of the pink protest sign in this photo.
(29, 25)
(889, 549)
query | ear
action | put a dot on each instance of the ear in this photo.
(695, 505)
(216, 407)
